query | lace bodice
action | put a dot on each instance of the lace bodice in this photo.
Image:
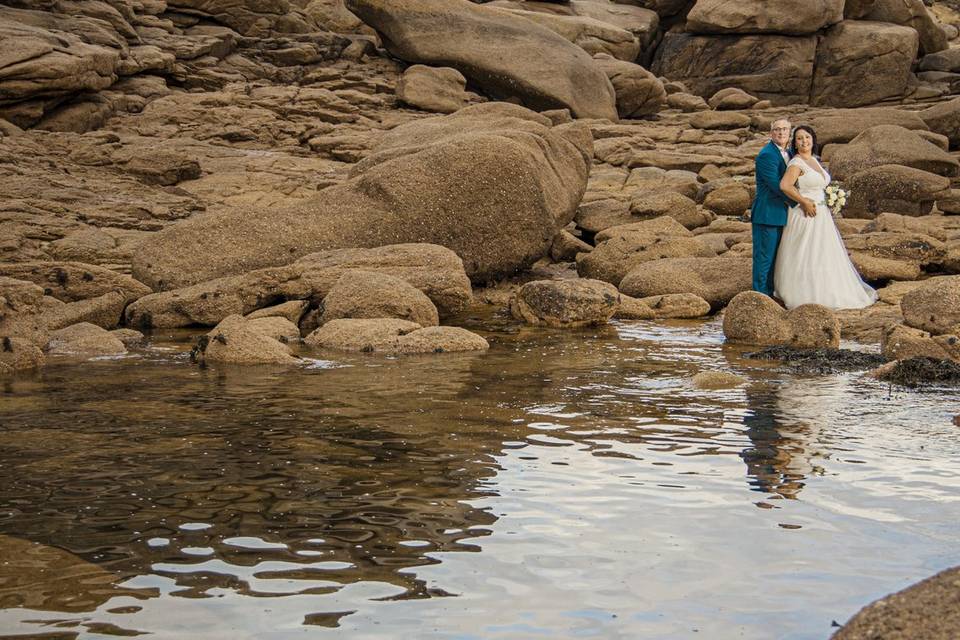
(810, 183)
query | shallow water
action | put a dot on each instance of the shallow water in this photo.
(563, 485)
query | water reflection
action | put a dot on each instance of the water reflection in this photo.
(365, 490)
(781, 452)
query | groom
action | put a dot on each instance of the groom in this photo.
(769, 212)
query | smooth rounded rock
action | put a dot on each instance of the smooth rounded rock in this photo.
(565, 303)
(368, 294)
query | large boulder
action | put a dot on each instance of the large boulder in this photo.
(934, 306)
(843, 125)
(507, 56)
(434, 270)
(892, 188)
(431, 89)
(770, 67)
(854, 54)
(753, 318)
(368, 294)
(716, 280)
(565, 303)
(494, 182)
(912, 14)
(890, 144)
(764, 16)
(234, 341)
(639, 92)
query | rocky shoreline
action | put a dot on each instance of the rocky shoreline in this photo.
(350, 175)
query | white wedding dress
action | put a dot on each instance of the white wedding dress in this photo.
(812, 263)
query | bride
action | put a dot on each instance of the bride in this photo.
(812, 265)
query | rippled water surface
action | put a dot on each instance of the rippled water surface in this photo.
(563, 485)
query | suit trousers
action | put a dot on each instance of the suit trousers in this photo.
(766, 241)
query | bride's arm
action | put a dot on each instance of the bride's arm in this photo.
(788, 184)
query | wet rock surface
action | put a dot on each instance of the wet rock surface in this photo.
(928, 609)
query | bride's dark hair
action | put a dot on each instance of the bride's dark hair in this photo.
(813, 134)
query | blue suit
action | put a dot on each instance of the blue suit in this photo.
(768, 215)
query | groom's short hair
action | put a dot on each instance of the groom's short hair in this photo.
(774, 123)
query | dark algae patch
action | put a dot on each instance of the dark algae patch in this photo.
(819, 361)
(915, 372)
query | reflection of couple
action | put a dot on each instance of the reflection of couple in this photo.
(798, 254)
(783, 425)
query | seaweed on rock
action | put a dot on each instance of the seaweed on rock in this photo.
(914, 372)
(819, 361)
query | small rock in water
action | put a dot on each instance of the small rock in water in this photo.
(717, 380)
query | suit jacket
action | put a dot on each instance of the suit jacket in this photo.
(770, 205)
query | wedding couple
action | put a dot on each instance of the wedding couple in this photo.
(798, 255)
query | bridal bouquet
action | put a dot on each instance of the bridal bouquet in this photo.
(836, 198)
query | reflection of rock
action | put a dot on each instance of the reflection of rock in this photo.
(929, 609)
(35, 576)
